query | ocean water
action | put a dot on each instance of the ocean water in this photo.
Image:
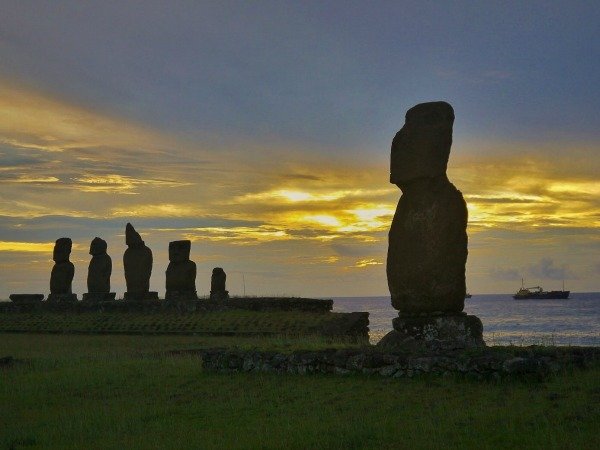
(506, 321)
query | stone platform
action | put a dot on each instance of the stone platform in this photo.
(311, 305)
(62, 298)
(95, 297)
(440, 332)
(140, 296)
(26, 299)
(179, 296)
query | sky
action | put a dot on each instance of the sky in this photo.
(261, 131)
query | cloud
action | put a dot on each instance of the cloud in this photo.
(27, 247)
(505, 274)
(273, 204)
(546, 268)
(30, 247)
(531, 190)
(238, 235)
(33, 121)
(362, 263)
(120, 184)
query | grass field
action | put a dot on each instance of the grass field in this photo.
(121, 392)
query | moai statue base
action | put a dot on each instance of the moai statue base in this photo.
(431, 332)
(62, 298)
(219, 295)
(97, 297)
(181, 296)
(149, 296)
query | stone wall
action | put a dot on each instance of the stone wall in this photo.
(498, 363)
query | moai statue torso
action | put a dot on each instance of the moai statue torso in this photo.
(100, 268)
(137, 262)
(99, 271)
(217, 284)
(427, 249)
(181, 272)
(61, 278)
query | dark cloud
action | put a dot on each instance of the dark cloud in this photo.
(301, 176)
(546, 268)
(307, 71)
(505, 274)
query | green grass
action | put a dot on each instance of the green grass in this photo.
(235, 321)
(73, 392)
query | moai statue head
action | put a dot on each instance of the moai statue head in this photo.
(422, 147)
(179, 251)
(98, 247)
(132, 237)
(62, 250)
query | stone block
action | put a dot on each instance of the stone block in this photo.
(62, 298)
(96, 297)
(434, 333)
(181, 296)
(140, 296)
(26, 299)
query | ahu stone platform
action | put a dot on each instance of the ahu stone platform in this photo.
(33, 302)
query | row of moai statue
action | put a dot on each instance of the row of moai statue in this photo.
(137, 262)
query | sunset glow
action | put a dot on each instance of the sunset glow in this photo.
(276, 164)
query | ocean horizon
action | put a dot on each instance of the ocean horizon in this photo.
(506, 321)
(575, 321)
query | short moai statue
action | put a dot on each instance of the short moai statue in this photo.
(99, 271)
(217, 285)
(137, 262)
(427, 249)
(61, 278)
(181, 273)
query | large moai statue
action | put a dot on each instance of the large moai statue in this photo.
(217, 284)
(137, 262)
(181, 273)
(427, 249)
(99, 272)
(61, 278)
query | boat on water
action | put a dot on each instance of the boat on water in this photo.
(537, 293)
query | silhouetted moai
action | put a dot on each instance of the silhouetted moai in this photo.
(427, 249)
(61, 278)
(137, 262)
(428, 238)
(181, 273)
(217, 285)
(99, 271)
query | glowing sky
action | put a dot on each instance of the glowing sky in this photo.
(261, 131)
